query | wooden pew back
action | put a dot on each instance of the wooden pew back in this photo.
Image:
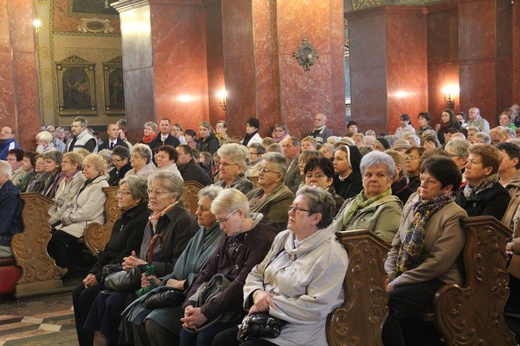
(96, 236)
(190, 195)
(359, 320)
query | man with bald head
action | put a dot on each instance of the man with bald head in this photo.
(474, 119)
(320, 132)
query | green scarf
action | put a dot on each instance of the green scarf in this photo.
(360, 202)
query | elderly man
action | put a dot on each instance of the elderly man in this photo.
(320, 132)
(81, 138)
(113, 138)
(474, 119)
(291, 151)
(7, 141)
(10, 210)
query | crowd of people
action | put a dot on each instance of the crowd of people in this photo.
(265, 220)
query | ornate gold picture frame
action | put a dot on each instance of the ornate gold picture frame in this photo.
(114, 87)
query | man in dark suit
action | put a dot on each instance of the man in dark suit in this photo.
(164, 137)
(291, 151)
(190, 170)
(113, 138)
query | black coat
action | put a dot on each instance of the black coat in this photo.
(493, 202)
(106, 144)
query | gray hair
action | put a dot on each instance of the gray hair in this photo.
(414, 138)
(484, 136)
(138, 186)
(53, 155)
(97, 162)
(152, 125)
(44, 136)
(320, 201)
(459, 146)
(229, 200)
(143, 151)
(211, 192)
(107, 155)
(237, 153)
(278, 160)
(375, 158)
(170, 181)
(5, 168)
(504, 130)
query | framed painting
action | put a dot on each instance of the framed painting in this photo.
(114, 87)
(98, 7)
(76, 86)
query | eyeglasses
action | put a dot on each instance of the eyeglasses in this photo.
(227, 217)
(225, 164)
(266, 170)
(411, 158)
(157, 193)
(125, 193)
(296, 209)
(317, 175)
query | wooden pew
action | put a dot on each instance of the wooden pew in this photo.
(190, 195)
(359, 320)
(39, 272)
(474, 314)
(96, 236)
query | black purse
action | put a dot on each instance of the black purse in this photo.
(164, 298)
(260, 325)
(116, 279)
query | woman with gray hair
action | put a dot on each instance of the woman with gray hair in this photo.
(149, 132)
(175, 225)
(86, 207)
(233, 163)
(374, 208)
(44, 142)
(272, 197)
(127, 235)
(309, 248)
(247, 241)
(141, 161)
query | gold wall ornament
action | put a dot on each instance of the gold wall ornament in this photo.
(306, 55)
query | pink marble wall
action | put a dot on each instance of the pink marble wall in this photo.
(19, 107)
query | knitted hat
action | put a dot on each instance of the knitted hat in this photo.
(401, 144)
(384, 142)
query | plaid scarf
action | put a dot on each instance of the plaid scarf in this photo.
(411, 252)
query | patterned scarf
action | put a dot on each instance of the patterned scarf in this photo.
(470, 192)
(154, 218)
(411, 252)
(361, 202)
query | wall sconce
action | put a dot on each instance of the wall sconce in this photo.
(222, 94)
(37, 24)
(449, 95)
(306, 55)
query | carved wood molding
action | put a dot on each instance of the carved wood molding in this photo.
(39, 271)
(474, 314)
(96, 236)
(190, 195)
(360, 318)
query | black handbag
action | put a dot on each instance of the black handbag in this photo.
(116, 279)
(164, 298)
(260, 325)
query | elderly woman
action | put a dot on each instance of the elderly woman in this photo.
(86, 207)
(149, 132)
(233, 163)
(309, 248)
(319, 172)
(400, 181)
(52, 169)
(256, 151)
(248, 239)
(169, 219)
(141, 161)
(127, 235)
(413, 165)
(347, 181)
(308, 143)
(306, 156)
(280, 132)
(425, 252)
(483, 194)
(37, 182)
(207, 140)
(162, 325)
(71, 166)
(272, 198)
(374, 208)
(166, 158)
(28, 164)
(44, 142)
(327, 150)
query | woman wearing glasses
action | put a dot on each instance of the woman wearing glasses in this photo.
(413, 165)
(169, 219)
(300, 279)
(247, 241)
(273, 197)
(374, 208)
(319, 172)
(233, 163)
(127, 235)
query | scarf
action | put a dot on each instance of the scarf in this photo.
(470, 192)
(154, 218)
(148, 139)
(410, 253)
(360, 202)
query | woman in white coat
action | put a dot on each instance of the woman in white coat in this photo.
(300, 279)
(85, 208)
